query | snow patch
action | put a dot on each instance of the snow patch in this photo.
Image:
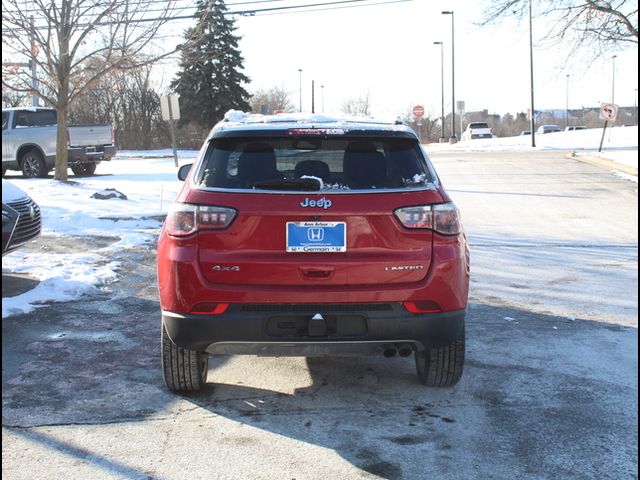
(311, 177)
(63, 277)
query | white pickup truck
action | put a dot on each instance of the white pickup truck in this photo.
(477, 130)
(29, 143)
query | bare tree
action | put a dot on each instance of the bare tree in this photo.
(268, 101)
(357, 106)
(11, 98)
(129, 101)
(600, 25)
(61, 36)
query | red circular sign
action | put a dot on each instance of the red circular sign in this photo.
(418, 111)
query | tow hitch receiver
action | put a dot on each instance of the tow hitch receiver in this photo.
(317, 326)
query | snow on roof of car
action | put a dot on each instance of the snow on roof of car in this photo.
(237, 120)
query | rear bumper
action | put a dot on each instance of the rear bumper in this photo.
(293, 331)
(481, 135)
(91, 154)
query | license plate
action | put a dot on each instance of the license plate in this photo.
(316, 237)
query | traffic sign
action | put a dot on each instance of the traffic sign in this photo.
(170, 107)
(609, 112)
(418, 111)
(419, 122)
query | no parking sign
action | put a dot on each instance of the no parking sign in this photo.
(609, 112)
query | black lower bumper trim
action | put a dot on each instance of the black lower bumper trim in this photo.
(287, 333)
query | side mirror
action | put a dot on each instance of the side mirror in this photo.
(183, 172)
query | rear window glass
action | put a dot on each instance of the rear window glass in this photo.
(478, 125)
(309, 164)
(38, 118)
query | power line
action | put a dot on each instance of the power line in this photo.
(250, 12)
(159, 2)
(385, 2)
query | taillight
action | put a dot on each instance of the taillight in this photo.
(446, 219)
(184, 219)
(443, 218)
(425, 306)
(210, 308)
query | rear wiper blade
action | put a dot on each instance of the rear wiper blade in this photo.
(295, 184)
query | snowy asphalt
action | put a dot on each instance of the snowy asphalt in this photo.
(549, 389)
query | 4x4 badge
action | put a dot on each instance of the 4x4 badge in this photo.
(221, 268)
(322, 203)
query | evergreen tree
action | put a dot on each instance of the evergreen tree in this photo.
(210, 79)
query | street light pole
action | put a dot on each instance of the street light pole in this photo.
(453, 138)
(613, 80)
(566, 110)
(533, 114)
(322, 92)
(441, 88)
(300, 71)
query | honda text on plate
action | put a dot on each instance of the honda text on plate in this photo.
(301, 235)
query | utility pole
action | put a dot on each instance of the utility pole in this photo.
(566, 106)
(613, 80)
(300, 72)
(313, 96)
(533, 111)
(35, 100)
(442, 138)
(322, 91)
(453, 138)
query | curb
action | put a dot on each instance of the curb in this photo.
(604, 163)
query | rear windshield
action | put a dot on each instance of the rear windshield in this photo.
(311, 164)
(37, 118)
(478, 125)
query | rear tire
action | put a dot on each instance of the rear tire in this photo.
(184, 370)
(33, 165)
(84, 169)
(441, 366)
(4, 171)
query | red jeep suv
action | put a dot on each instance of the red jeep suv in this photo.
(308, 235)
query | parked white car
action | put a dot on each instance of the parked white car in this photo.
(477, 130)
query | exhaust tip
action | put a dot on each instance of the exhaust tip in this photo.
(390, 352)
(405, 351)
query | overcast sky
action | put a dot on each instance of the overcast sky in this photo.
(387, 50)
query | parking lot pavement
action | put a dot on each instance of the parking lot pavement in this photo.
(549, 389)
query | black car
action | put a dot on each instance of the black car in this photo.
(21, 219)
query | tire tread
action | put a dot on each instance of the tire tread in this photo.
(181, 366)
(442, 366)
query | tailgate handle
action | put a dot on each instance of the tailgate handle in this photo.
(317, 272)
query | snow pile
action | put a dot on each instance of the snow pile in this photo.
(63, 277)
(128, 155)
(69, 209)
(617, 138)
